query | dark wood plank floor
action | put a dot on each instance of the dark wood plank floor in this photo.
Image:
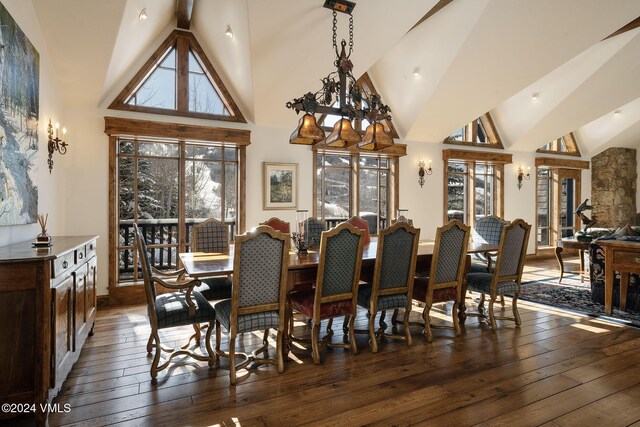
(559, 368)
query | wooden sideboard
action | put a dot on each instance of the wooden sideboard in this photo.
(622, 256)
(47, 311)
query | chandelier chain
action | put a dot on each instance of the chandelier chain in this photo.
(335, 30)
(350, 34)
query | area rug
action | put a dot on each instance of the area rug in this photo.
(574, 296)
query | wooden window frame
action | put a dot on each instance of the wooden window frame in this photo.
(116, 127)
(470, 134)
(183, 42)
(472, 158)
(570, 143)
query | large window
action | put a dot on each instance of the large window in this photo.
(544, 202)
(479, 133)
(474, 185)
(167, 186)
(353, 184)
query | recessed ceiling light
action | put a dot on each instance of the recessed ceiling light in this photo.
(143, 15)
(535, 96)
(228, 32)
(416, 72)
(617, 113)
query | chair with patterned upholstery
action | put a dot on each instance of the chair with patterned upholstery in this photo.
(402, 218)
(277, 224)
(313, 229)
(260, 263)
(444, 281)
(185, 306)
(487, 229)
(362, 225)
(372, 219)
(392, 285)
(336, 291)
(507, 273)
(212, 236)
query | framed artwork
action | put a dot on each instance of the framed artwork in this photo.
(19, 110)
(280, 185)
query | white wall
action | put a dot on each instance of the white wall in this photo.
(51, 187)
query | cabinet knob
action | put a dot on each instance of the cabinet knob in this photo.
(91, 247)
(80, 255)
(65, 264)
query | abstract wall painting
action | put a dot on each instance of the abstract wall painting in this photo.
(19, 108)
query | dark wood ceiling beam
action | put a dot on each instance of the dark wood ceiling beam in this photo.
(435, 9)
(630, 26)
(184, 11)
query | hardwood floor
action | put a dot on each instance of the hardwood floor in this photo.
(558, 369)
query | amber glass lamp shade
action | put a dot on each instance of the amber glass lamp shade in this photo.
(308, 132)
(343, 135)
(375, 138)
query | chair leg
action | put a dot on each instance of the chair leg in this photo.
(345, 324)
(156, 357)
(218, 336)
(373, 342)
(394, 317)
(213, 356)
(502, 300)
(315, 350)
(492, 317)
(514, 307)
(407, 331)
(197, 335)
(352, 334)
(232, 359)
(456, 322)
(383, 325)
(150, 344)
(279, 351)
(481, 304)
(427, 321)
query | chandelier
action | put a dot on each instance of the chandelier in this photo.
(341, 96)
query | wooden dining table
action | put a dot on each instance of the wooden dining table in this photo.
(303, 268)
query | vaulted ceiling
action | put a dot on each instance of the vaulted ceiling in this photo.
(474, 56)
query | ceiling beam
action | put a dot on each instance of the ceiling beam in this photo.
(630, 26)
(184, 11)
(432, 11)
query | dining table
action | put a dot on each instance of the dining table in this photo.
(303, 269)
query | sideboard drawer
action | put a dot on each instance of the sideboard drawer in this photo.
(63, 263)
(624, 257)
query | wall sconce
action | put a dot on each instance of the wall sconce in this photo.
(56, 144)
(522, 176)
(422, 171)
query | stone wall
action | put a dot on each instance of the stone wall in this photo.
(614, 174)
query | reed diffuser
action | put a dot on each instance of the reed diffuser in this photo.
(43, 238)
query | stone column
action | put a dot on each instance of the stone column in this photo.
(614, 174)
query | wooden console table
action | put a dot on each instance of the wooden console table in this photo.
(47, 310)
(572, 243)
(622, 256)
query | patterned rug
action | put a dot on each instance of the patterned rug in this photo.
(575, 296)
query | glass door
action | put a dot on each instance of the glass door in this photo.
(567, 195)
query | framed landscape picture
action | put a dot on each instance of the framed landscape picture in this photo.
(280, 185)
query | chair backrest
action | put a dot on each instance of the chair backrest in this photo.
(313, 229)
(211, 236)
(260, 262)
(402, 218)
(513, 249)
(277, 224)
(149, 286)
(372, 219)
(395, 260)
(449, 253)
(488, 229)
(339, 263)
(363, 225)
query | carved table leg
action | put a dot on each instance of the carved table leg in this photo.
(559, 257)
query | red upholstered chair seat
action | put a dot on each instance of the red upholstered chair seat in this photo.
(302, 301)
(420, 286)
(277, 224)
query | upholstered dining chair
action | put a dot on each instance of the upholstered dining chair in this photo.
(257, 303)
(506, 276)
(444, 282)
(392, 284)
(362, 225)
(277, 224)
(313, 228)
(336, 290)
(487, 229)
(184, 306)
(212, 236)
